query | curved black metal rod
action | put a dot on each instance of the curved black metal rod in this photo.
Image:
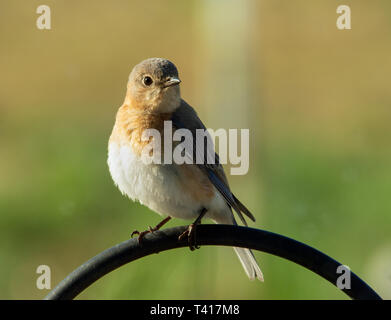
(225, 235)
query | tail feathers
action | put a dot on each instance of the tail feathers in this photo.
(249, 263)
(245, 255)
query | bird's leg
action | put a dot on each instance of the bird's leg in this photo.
(150, 229)
(191, 231)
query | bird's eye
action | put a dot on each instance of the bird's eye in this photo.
(147, 80)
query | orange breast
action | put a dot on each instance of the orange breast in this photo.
(130, 124)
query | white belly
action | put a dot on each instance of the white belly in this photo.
(156, 186)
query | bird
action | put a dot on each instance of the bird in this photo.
(189, 191)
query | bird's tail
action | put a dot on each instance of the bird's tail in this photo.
(249, 263)
(246, 257)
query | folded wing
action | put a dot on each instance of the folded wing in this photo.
(185, 117)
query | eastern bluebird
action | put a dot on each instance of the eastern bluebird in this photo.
(186, 191)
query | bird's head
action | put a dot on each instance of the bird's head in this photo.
(153, 86)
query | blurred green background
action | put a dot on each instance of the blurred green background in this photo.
(316, 99)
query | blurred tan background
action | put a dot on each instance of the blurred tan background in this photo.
(316, 99)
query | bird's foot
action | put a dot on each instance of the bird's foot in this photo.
(190, 232)
(141, 235)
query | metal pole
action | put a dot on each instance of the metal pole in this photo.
(225, 235)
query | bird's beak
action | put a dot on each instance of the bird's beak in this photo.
(171, 82)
